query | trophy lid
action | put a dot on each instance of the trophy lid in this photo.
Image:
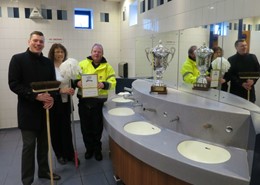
(203, 51)
(160, 51)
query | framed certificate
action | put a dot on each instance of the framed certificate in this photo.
(215, 74)
(89, 85)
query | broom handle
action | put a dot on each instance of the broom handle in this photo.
(73, 130)
(49, 145)
(248, 93)
(74, 134)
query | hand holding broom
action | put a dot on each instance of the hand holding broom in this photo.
(249, 76)
(46, 99)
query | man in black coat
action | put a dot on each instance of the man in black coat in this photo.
(240, 64)
(32, 66)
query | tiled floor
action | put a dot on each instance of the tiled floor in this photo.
(89, 172)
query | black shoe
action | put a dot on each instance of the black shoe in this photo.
(48, 176)
(61, 160)
(98, 156)
(88, 154)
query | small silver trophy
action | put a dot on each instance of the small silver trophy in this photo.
(158, 58)
(203, 59)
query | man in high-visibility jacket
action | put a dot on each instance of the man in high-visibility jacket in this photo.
(90, 108)
(189, 70)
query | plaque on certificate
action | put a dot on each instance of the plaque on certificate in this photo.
(89, 85)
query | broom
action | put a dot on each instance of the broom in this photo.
(74, 132)
(249, 75)
(69, 69)
(46, 86)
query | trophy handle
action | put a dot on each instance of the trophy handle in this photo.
(172, 54)
(147, 51)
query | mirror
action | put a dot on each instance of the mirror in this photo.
(143, 68)
(222, 34)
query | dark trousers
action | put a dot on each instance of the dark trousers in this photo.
(61, 136)
(30, 138)
(91, 122)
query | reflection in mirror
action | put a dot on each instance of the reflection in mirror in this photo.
(181, 41)
(250, 31)
(220, 34)
(189, 37)
(144, 68)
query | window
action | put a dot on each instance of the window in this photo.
(235, 26)
(0, 12)
(62, 15)
(124, 14)
(244, 27)
(150, 4)
(142, 6)
(13, 12)
(249, 27)
(83, 19)
(47, 13)
(133, 13)
(160, 2)
(257, 27)
(104, 17)
(27, 12)
(230, 26)
(221, 28)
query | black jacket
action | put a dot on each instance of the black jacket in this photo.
(242, 63)
(25, 68)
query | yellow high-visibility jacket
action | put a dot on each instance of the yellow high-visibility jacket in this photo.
(190, 71)
(105, 73)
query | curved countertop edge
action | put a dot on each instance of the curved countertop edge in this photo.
(229, 102)
(158, 146)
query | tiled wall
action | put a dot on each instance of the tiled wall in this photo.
(14, 34)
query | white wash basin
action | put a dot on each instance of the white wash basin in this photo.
(121, 111)
(141, 128)
(203, 152)
(121, 100)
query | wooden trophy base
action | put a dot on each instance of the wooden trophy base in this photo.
(200, 86)
(158, 89)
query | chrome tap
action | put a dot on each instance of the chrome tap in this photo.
(128, 96)
(175, 119)
(149, 109)
(128, 89)
(137, 104)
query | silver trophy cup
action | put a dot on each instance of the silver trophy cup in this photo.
(203, 59)
(159, 57)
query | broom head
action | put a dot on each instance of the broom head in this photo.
(44, 86)
(252, 75)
